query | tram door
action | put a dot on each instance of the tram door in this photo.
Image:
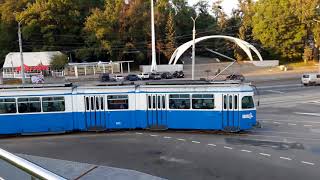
(230, 113)
(157, 111)
(95, 114)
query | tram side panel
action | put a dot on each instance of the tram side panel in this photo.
(141, 111)
(35, 112)
(186, 111)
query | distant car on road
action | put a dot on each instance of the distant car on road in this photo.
(105, 77)
(144, 76)
(178, 74)
(310, 79)
(166, 75)
(155, 76)
(117, 77)
(237, 77)
(132, 77)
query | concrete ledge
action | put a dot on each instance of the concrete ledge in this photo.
(73, 170)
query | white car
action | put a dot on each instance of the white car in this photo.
(310, 79)
(144, 76)
(117, 77)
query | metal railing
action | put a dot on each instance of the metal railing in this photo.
(35, 171)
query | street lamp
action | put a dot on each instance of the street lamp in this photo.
(21, 54)
(194, 44)
(317, 21)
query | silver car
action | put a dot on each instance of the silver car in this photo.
(310, 79)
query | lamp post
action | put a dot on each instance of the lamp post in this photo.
(154, 58)
(194, 44)
(317, 21)
(21, 54)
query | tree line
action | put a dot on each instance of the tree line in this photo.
(101, 30)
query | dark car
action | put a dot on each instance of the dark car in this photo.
(155, 76)
(178, 74)
(132, 77)
(236, 77)
(166, 75)
(105, 77)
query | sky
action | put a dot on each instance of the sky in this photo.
(227, 5)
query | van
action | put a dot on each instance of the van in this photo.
(310, 79)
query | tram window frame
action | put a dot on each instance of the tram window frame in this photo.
(203, 98)
(6, 103)
(149, 102)
(163, 102)
(177, 99)
(87, 103)
(102, 103)
(236, 102)
(225, 102)
(52, 102)
(250, 106)
(230, 102)
(28, 101)
(118, 106)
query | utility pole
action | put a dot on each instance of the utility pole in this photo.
(194, 45)
(21, 54)
(154, 56)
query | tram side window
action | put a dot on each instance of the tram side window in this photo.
(179, 101)
(29, 105)
(247, 102)
(202, 101)
(118, 102)
(53, 104)
(8, 106)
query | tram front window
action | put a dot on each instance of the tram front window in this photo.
(247, 102)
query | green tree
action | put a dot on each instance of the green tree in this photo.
(58, 62)
(170, 36)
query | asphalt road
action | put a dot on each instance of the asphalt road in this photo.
(287, 146)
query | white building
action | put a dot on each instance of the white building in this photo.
(31, 60)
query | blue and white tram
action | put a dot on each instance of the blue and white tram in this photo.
(205, 106)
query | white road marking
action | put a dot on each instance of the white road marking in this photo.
(309, 114)
(244, 150)
(167, 137)
(286, 158)
(181, 139)
(277, 122)
(309, 163)
(264, 154)
(139, 133)
(289, 121)
(212, 145)
(226, 147)
(154, 135)
(197, 142)
(273, 91)
(291, 124)
(307, 125)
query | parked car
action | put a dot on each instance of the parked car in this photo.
(166, 75)
(236, 77)
(144, 76)
(310, 79)
(132, 77)
(178, 74)
(105, 77)
(117, 77)
(155, 76)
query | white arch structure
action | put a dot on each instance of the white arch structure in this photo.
(247, 47)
